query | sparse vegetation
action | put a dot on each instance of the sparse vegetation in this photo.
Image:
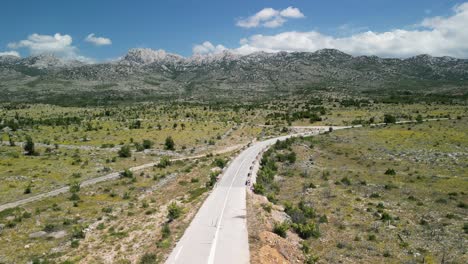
(370, 187)
(74, 144)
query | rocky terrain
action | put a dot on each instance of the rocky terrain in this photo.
(144, 74)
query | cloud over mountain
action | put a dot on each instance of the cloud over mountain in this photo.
(208, 48)
(57, 44)
(269, 17)
(98, 41)
(437, 36)
(10, 53)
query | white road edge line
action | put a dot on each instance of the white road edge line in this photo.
(178, 253)
(218, 224)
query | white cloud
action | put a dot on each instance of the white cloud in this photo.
(38, 44)
(208, 48)
(437, 36)
(58, 44)
(98, 41)
(10, 53)
(269, 17)
(292, 12)
(275, 22)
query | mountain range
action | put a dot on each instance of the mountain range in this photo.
(146, 74)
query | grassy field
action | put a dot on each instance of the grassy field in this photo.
(373, 195)
(120, 221)
(341, 175)
(75, 144)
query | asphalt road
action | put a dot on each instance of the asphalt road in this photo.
(218, 232)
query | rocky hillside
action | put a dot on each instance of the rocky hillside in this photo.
(156, 73)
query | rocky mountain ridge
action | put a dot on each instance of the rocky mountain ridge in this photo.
(157, 72)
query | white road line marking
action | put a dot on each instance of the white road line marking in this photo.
(178, 253)
(218, 225)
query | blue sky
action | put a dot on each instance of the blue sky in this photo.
(182, 26)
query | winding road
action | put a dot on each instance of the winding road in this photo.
(218, 232)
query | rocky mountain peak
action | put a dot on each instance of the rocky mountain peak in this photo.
(148, 56)
(225, 55)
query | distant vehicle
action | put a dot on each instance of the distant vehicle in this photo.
(249, 174)
(251, 167)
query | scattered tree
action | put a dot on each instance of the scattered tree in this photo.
(29, 146)
(419, 119)
(147, 144)
(74, 189)
(125, 152)
(169, 144)
(127, 173)
(389, 119)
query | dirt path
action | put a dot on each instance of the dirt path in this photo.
(116, 175)
(110, 176)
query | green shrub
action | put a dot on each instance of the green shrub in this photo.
(164, 162)
(307, 230)
(267, 207)
(169, 143)
(220, 162)
(49, 228)
(29, 146)
(125, 152)
(166, 231)
(386, 217)
(100, 226)
(147, 144)
(346, 181)
(389, 119)
(74, 189)
(139, 147)
(75, 243)
(259, 189)
(311, 260)
(78, 232)
(419, 119)
(27, 190)
(127, 173)
(174, 211)
(148, 258)
(213, 179)
(280, 229)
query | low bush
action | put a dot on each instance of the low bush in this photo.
(280, 229)
(174, 211)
